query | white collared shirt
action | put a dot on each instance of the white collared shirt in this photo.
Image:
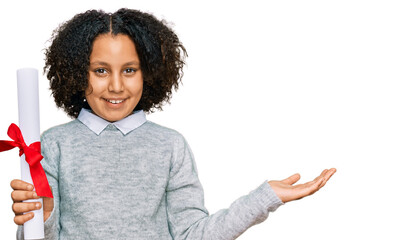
(98, 124)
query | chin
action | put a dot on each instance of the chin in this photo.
(114, 119)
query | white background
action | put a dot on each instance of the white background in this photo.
(270, 89)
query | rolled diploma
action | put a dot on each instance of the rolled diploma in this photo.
(29, 123)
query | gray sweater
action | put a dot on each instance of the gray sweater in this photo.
(141, 185)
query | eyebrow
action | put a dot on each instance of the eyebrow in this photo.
(99, 63)
(132, 63)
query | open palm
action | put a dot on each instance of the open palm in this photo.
(287, 191)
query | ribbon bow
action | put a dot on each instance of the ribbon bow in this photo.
(33, 158)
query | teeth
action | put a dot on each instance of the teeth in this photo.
(114, 101)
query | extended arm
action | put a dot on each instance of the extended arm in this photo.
(188, 218)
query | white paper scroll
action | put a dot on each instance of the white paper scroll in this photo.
(29, 123)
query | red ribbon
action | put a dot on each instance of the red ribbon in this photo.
(33, 158)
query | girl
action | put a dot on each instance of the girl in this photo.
(114, 174)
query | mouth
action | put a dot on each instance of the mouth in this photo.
(114, 101)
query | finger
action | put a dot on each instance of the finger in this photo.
(316, 180)
(318, 177)
(19, 195)
(319, 184)
(18, 184)
(315, 187)
(311, 187)
(21, 219)
(292, 179)
(323, 173)
(327, 176)
(22, 207)
(330, 173)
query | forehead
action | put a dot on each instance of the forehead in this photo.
(108, 46)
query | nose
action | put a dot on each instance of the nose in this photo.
(116, 83)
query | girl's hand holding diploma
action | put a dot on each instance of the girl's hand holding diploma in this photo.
(287, 191)
(24, 191)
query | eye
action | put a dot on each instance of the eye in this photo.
(100, 71)
(130, 70)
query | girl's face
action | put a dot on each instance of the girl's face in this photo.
(115, 78)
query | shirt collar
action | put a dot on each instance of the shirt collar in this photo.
(98, 124)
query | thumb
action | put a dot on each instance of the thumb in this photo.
(292, 179)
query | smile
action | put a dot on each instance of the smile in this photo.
(114, 101)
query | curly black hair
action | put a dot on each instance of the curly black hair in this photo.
(160, 52)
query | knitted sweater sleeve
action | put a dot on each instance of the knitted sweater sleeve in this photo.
(50, 164)
(187, 216)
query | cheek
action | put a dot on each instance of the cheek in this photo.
(88, 91)
(95, 86)
(90, 98)
(140, 88)
(136, 88)
(92, 93)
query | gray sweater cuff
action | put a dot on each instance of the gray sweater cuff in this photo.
(266, 197)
